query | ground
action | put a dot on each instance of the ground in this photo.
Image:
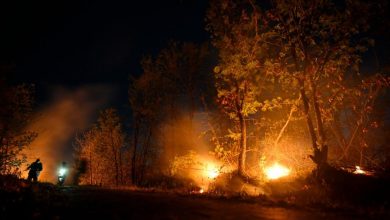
(125, 204)
(20, 199)
(98, 203)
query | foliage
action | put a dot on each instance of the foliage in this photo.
(361, 116)
(23, 199)
(234, 27)
(185, 162)
(318, 50)
(15, 113)
(171, 79)
(102, 147)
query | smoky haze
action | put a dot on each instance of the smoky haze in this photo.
(69, 112)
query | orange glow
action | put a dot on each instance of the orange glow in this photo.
(276, 171)
(201, 191)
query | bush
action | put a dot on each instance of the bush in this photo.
(21, 198)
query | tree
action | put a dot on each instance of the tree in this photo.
(112, 141)
(318, 47)
(180, 67)
(234, 26)
(16, 109)
(167, 89)
(87, 157)
(145, 101)
(180, 63)
(103, 148)
(359, 118)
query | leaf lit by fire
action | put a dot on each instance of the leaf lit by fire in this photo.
(276, 171)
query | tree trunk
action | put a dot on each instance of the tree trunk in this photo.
(144, 155)
(309, 120)
(120, 168)
(134, 158)
(242, 153)
(116, 162)
(323, 157)
(191, 94)
(317, 156)
(90, 163)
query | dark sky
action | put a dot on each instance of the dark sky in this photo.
(72, 43)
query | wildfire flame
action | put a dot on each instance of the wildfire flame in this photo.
(211, 171)
(276, 171)
(359, 170)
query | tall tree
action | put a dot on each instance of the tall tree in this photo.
(180, 63)
(234, 26)
(145, 100)
(87, 157)
(318, 47)
(180, 66)
(112, 140)
(168, 88)
(357, 118)
(102, 147)
(16, 107)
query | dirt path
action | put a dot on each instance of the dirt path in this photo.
(89, 203)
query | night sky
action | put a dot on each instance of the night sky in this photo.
(74, 43)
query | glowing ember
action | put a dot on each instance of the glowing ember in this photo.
(201, 191)
(359, 170)
(276, 171)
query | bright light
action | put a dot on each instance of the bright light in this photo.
(359, 170)
(201, 191)
(61, 172)
(276, 171)
(211, 171)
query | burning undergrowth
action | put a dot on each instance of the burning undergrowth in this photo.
(203, 170)
(199, 165)
(281, 173)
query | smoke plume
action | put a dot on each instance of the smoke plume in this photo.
(70, 112)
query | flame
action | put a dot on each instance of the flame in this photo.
(201, 191)
(211, 171)
(276, 171)
(359, 170)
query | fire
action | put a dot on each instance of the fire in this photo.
(276, 171)
(201, 191)
(359, 170)
(211, 171)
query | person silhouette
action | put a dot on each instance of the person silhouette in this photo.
(34, 170)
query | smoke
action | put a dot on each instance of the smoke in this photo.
(70, 112)
(181, 135)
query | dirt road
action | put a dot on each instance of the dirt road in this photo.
(87, 203)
